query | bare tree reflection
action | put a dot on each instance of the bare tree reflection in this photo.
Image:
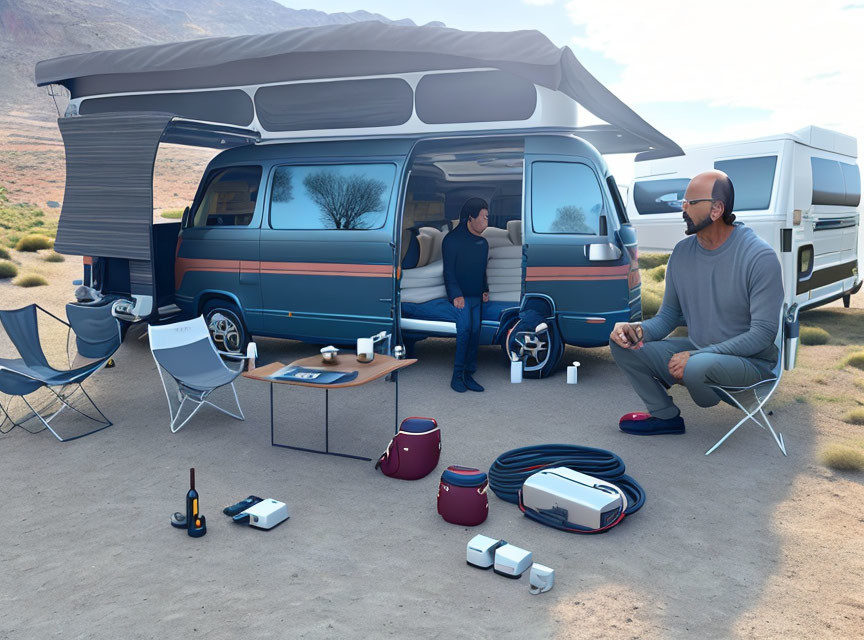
(571, 219)
(344, 200)
(283, 187)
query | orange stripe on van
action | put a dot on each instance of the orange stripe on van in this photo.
(534, 274)
(184, 265)
(88, 260)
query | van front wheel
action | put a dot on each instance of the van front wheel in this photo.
(225, 326)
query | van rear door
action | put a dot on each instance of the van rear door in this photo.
(572, 249)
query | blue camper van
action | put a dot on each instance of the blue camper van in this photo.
(349, 152)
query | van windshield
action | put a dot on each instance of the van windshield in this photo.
(347, 196)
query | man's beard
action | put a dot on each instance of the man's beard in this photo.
(696, 228)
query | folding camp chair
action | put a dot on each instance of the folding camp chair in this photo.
(97, 335)
(185, 351)
(752, 399)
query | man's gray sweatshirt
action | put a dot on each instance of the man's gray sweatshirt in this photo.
(728, 298)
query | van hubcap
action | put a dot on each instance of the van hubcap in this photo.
(532, 349)
(225, 332)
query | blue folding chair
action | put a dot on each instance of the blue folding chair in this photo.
(97, 335)
(751, 400)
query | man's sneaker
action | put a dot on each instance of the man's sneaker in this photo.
(458, 384)
(644, 424)
(471, 383)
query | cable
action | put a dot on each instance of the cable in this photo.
(510, 470)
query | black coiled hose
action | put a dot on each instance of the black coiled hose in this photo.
(512, 468)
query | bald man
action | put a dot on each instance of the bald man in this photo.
(724, 283)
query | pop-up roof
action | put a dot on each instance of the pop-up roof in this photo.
(366, 77)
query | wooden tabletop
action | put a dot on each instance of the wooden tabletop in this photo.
(366, 371)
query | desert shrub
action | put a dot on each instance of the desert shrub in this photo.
(843, 457)
(19, 220)
(54, 257)
(33, 242)
(856, 416)
(814, 335)
(8, 270)
(855, 360)
(4, 255)
(859, 384)
(173, 214)
(650, 303)
(651, 260)
(658, 273)
(30, 280)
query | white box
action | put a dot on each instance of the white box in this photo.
(511, 561)
(267, 514)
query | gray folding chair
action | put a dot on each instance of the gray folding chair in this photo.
(751, 400)
(97, 335)
(185, 351)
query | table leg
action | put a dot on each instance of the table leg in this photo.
(272, 435)
(327, 420)
(396, 420)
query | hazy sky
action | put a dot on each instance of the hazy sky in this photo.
(697, 71)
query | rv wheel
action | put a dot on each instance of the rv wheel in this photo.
(540, 352)
(226, 327)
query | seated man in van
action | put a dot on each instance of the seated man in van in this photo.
(465, 252)
(724, 283)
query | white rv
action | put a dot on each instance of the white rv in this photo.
(798, 191)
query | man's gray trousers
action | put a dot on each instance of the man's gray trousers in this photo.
(648, 366)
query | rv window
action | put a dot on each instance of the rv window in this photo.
(835, 183)
(331, 196)
(229, 198)
(752, 179)
(565, 198)
(659, 196)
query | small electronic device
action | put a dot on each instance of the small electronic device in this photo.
(244, 504)
(511, 561)
(481, 551)
(573, 499)
(265, 514)
(541, 579)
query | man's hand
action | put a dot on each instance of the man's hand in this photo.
(627, 335)
(485, 296)
(677, 363)
(459, 302)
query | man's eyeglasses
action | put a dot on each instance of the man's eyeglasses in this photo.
(679, 204)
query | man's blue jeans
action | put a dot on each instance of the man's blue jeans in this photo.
(467, 336)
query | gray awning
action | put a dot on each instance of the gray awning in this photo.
(360, 49)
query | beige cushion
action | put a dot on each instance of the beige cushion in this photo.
(514, 230)
(437, 237)
(425, 243)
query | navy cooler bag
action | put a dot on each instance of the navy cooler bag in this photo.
(413, 452)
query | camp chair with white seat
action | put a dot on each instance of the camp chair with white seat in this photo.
(97, 335)
(186, 352)
(752, 399)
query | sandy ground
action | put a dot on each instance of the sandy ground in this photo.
(743, 543)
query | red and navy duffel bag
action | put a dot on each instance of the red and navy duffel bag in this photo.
(413, 452)
(462, 496)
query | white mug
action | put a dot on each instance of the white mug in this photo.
(515, 371)
(365, 349)
(572, 373)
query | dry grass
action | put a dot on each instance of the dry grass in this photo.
(4, 255)
(172, 214)
(651, 260)
(54, 257)
(34, 242)
(856, 416)
(30, 280)
(8, 270)
(842, 457)
(650, 303)
(859, 383)
(657, 274)
(855, 360)
(814, 335)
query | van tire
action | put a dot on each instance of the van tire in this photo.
(547, 360)
(225, 324)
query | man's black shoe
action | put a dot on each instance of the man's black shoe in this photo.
(471, 383)
(457, 384)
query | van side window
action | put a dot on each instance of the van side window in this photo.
(347, 196)
(659, 196)
(565, 198)
(229, 198)
(752, 179)
(835, 183)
